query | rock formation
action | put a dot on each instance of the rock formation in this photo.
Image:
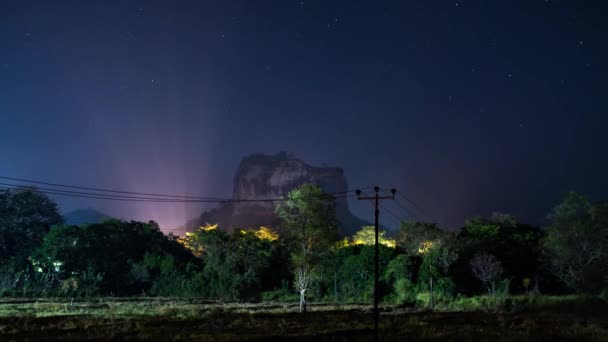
(272, 176)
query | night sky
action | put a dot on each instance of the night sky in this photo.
(466, 107)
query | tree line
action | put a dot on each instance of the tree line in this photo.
(303, 258)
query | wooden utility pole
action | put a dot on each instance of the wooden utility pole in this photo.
(376, 199)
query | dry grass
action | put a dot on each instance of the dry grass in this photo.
(175, 319)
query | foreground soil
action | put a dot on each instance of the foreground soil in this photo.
(203, 322)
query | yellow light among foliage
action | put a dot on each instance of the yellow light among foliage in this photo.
(390, 243)
(266, 233)
(367, 236)
(208, 227)
(342, 243)
(263, 233)
(426, 246)
(190, 241)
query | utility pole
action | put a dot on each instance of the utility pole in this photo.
(376, 199)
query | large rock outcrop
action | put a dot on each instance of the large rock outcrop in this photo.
(262, 176)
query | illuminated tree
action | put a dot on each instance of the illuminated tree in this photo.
(216, 251)
(308, 217)
(195, 241)
(234, 266)
(367, 236)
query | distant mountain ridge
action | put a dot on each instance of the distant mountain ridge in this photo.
(85, 216)
(261, 176)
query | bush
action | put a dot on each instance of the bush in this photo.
(405, 291)
(503, 299)
(280, 295)
(423, 299)
(444, 287)
(604, 295)
(461, 303)
(10, 277)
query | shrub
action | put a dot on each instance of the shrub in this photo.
(405, 291)
(280, 295)
(444, 288)
(503, 288)
(604, 295)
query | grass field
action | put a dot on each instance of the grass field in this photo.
(545, 319)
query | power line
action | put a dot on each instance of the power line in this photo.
(37, 188)
(211, 199)
(80, 194)
(422, 211)
(96, 196)
(406, 210)
(417, 208)
(90, 196)
(104, 190)
(391, 213)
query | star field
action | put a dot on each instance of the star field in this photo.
(467, 107)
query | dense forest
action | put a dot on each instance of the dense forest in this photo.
(303, 259)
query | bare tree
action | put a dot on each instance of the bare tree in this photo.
(487, 269)
(302, 275)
